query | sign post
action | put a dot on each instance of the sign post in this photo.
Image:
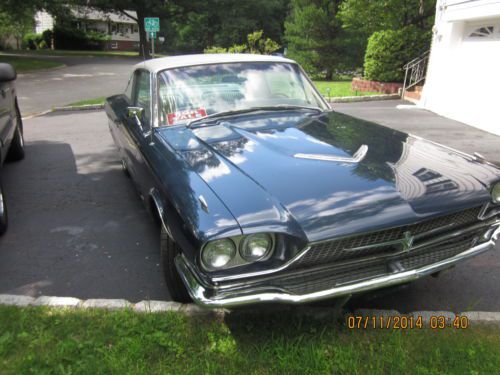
(152, 26)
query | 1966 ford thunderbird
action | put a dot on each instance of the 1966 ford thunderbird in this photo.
(264, 194)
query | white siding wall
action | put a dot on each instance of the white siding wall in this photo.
(43, 21)
(463, 78)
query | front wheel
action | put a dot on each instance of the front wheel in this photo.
(3, 211)
(168, 251)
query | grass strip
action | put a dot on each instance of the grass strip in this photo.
(93, 101)
(41, 340)
(25, 64)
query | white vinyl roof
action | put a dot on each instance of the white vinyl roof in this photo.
(156, 65)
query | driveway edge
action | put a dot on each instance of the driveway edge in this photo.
(94, 107)
(368, 98)
(152, 306)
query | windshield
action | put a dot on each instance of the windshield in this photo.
(194, 92)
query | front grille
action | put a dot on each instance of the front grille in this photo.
(335, 251)
(329, 277)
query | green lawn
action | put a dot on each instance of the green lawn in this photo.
(48, 341)
(24, 64)
(99, 100)
(339, 89)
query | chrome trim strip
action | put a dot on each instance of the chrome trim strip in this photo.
(356, 158)
(203, 297)
(299, 255)
(483, 214)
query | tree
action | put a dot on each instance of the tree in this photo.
(367, 16)
(255, 44)
(317, 40)
(17, 24)
(225, 23)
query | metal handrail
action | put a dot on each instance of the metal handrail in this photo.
(415, 71)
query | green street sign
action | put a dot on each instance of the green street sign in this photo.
(152, 35)
(152, 24)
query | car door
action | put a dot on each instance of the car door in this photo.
(7, 113)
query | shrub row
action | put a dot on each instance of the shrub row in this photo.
(389, 50)
(65, 38)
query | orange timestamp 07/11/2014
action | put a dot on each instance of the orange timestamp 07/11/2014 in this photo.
(405, 322)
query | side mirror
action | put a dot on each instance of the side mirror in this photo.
(7, 72)
(136, 113)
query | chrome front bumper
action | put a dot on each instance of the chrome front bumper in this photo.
(208, 297)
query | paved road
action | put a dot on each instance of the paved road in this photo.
(84, 77)
(79, 229)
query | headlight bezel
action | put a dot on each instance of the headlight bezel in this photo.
(208, 245)
(237, 260)
(246, 242)
(495, 186)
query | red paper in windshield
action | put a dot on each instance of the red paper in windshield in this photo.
(189, 114)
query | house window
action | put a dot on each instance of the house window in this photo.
(487, 31)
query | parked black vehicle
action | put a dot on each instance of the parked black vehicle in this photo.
(11, 130)
(265, 194)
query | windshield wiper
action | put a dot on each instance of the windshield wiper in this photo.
(279, 107)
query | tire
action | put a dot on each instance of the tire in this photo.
(168, 250)
(16, 150)
(3, 211)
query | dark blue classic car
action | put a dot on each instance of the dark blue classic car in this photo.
(264, 194)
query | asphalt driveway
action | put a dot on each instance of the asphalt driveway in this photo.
(79, 229)
(84, 77)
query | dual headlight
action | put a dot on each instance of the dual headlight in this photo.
(219, 254)
(495, 193)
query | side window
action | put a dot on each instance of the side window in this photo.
(142, 93)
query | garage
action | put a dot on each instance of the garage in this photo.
(463, 80)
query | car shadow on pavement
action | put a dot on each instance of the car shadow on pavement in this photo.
(77, 228)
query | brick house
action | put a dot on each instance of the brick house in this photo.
(123, 32)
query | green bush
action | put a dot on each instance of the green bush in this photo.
(76, 39)
(31, 41)
(389, 50)
(47, 37)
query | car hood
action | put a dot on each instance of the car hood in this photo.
(318, 176)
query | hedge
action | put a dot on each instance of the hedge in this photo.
(389, 50)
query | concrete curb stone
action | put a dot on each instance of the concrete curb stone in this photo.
(16, 300)
(368, 98)
(482, 316)
(426, 315)
(156, 306)
(86, 107)
(52, 301)
(109, 304)
(190, 309)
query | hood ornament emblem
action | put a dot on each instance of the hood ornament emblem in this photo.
(407, 241)
(356, 158)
